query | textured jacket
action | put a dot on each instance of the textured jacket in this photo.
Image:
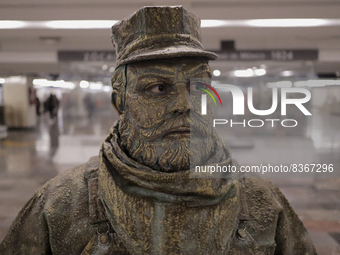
(114, 205)
(66, 216)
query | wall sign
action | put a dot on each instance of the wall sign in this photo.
(99, 56)
(237, 55)
(272, 55)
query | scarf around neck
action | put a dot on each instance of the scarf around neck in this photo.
(166, 213)
(135, 178)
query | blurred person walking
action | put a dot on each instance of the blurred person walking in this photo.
(89, 105)
(52, 105)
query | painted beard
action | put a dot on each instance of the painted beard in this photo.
(162, 149)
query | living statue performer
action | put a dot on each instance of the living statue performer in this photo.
(138, 197)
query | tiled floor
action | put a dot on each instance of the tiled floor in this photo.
(28, 158)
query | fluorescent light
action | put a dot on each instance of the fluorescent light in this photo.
(107, 88)
(270, 23)
(213, 23)
(317, 83)
(55, 84)
(96, 85)
(332, 82)
(244, 73)
(292, 22)
(57, 24)
(2, 80)
(287, 73)
(16, 79)
(250, 72)
(322, 83)
(84, 84)
(80, 24)
(39, 81)
(260, 72)
(216, 72)
(205, 23)
(11, 24)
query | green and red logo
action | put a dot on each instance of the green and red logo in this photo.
(208, 92)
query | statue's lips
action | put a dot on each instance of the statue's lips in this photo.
(179, 132)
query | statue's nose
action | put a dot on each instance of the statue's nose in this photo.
(182, 100)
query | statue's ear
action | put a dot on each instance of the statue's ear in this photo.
(118, 99)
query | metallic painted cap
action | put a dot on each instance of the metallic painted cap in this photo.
(158, 32)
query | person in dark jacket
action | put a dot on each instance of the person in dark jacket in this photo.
(137, 197)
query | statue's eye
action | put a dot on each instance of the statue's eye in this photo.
(158, 89)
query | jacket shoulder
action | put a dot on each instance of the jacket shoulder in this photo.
(69, 189)
(67, 209)
(262, 203)
(270, 211)
(56, 219)
(266, 193)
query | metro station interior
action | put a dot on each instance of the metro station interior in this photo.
(56, 64)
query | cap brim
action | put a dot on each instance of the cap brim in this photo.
(170, 52)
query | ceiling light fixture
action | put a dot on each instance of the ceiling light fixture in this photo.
(12, 24)
(96, 85)
(84, 84)
(213, 23)
(244, 73)
(216, 72)
(317, 83)
(107, 89)
(205, 23)
(55, 84)
(260, 72)
(287, 73)
(57, 24)
(292, 22)
(80, 24)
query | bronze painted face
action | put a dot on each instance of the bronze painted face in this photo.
(160, 116)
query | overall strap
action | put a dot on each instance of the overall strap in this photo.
(244, 212)
(243, 218)
(105, 241)
(97, 216)
(96, 209)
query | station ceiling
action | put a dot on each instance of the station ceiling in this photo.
(34, 50)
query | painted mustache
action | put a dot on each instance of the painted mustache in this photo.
(191, 123)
